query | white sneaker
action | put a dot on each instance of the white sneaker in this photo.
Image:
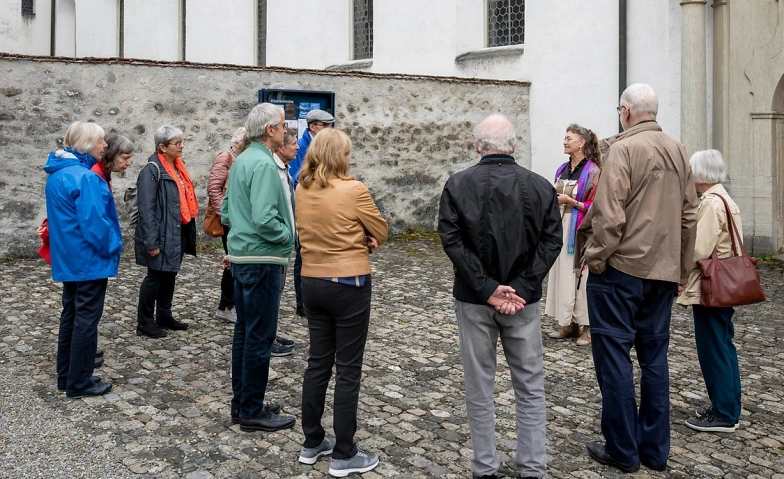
(229, 316)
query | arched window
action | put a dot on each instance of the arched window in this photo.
(505, 22)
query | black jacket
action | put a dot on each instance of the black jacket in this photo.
(159, 224)
(499, 224)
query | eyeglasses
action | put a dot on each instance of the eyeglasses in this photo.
(175, 143)
(620, 108)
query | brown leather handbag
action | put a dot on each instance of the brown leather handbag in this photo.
(732, 281)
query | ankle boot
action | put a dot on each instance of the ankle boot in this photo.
(571, 331)
(585, 337)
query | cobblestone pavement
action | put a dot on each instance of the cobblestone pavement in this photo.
(168, 414)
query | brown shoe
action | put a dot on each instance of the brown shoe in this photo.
(571, 331)
(585, 337)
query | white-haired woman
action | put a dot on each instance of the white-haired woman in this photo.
(85, 250)
(713, 328)
(216, 188)
(166, 230)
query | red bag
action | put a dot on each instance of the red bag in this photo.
(732, 281)
(43, 251)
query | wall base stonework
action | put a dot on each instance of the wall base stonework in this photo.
(409, 133)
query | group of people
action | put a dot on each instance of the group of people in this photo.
(629, 215)
(619, 233)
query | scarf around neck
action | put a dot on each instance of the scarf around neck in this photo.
(189, 206)
(590, 170)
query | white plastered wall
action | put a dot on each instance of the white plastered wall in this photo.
(152, 30)
(27, 35)
(221, 32)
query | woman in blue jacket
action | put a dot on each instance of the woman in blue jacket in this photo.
(86, 242)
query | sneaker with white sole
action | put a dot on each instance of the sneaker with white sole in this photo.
(708, 423)
(309, 455)
(361, 462)
(229, 316)
(279, 350)
(701, 411)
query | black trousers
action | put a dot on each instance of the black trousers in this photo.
(156, 295)
(338, 318)
(227, 281)
(78, 336)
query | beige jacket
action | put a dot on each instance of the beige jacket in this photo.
(712, 232)
(219, 175)
(332, 223)
(643, 217)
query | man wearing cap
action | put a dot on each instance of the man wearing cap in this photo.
(317, 120)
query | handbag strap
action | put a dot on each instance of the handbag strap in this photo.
(732, 229)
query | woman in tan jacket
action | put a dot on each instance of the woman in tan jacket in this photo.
(338, 225)
(713, 328)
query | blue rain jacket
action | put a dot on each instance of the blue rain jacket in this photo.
(84, 230)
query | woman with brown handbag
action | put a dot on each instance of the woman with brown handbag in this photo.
(216, 188)
(713, 328)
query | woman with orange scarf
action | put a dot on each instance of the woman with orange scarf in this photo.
(165, 231)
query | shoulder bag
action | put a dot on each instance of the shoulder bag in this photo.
(732, 281)
(212, 223)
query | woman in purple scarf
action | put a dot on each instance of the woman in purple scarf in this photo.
(575, 182)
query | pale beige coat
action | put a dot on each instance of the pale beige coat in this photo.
(712, 232)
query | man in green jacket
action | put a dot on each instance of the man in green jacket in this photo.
(259, 243)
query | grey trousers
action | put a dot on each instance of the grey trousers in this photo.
(521, 337)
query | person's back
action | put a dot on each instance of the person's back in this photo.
(646, 176)
(501, 228)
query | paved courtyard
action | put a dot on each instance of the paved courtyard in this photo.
(168, 413)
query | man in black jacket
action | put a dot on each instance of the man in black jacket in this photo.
(500, 225)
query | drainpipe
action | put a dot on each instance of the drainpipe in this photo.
(52, 22)
(622, 43)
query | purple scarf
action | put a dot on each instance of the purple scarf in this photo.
(590, 170)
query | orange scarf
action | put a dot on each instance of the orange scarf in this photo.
(189, 206)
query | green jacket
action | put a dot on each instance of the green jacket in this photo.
(256, 210)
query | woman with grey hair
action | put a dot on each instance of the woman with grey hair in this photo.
(713, 328)
(116, 158)
(166, 230)
(216, 189)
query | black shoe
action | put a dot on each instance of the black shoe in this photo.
(61, 385)
(655, 468)
(486, 476)
(284, 341)
(97, 389)
(171, 323)
(98, 353)
(267, 421)
(98, 362)
(301, 311)
(709, 423)
(279, 350)
(269, 406)
(599, 454)
(151, 331)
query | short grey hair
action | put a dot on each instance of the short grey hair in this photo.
(495, 133)
(260, 117)
(165, 134)
(116, 145)
(707, 167)
(640, 99)
(240, 137)
(288, 135)
(81, 136)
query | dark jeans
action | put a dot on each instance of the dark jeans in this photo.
(338, 318)
(78, 337)
(257, 293)
(625, 312)
(227, 281)
(298, 275)
(156, 293)
(713, 333)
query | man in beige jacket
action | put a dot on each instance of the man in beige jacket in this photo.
(639, 251)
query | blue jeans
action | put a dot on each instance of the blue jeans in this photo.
(257, 298)
(78, 336)
(625, 312)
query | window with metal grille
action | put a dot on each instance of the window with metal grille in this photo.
(363, 29)
(505, 22)
(28, 7)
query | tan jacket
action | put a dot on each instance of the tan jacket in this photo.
(643, 217)
(332, 223)
(712, 232)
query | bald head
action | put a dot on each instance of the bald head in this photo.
(495, 134)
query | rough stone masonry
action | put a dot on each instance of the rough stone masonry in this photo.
(409, 132)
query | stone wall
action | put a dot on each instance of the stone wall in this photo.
(409, 132)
